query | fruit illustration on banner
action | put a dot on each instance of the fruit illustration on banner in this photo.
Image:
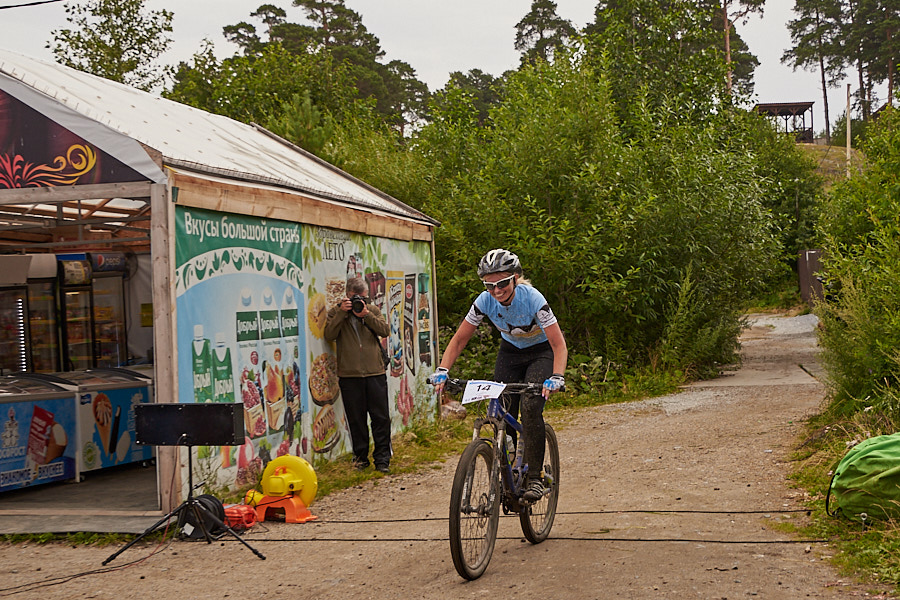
(274, 383)
(316, 314)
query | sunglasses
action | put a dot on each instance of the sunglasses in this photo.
(501, 284)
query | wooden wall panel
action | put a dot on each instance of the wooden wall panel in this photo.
(198, 192)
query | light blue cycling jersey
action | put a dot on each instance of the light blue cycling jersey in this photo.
(521, 323)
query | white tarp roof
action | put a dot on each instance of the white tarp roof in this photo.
(189, 138)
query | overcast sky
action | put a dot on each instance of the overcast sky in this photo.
(436, 38)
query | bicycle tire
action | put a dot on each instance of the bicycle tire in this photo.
(474, 510)
(537, 518)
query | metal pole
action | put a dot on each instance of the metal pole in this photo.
(849, 121)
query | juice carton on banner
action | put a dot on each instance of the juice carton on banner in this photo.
(423, 319)
(394, 286)
(249, 364)
(272, 359)
(290, 330)
(222, 371)
(201, 361)
(409, 322)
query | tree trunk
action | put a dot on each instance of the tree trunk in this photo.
(862, 91)
(890, 90)
(727, 46)
(824, 84)
(825, 99)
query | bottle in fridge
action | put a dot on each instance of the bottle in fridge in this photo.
(77, 314)
(43, 326)
(15, 353)
(109, 316)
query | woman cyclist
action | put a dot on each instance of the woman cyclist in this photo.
(532, 349)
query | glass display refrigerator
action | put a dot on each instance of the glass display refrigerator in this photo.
(108, 291)
(76, 314)
(43, 315)
(38, 432)
(43, 326)
(14, 351)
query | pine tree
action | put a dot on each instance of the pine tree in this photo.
(542, 32)
(115, 39)
(816, 35)
(732, 12)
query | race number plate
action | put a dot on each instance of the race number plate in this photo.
(482, 390)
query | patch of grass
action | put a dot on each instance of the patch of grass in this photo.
(625, 388)
(869, 553)
(422, 444)
(831, 161)
(72, 539)
(782, 296)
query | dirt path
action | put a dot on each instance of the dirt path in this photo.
(675, 497)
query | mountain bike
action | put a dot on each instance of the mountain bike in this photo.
(491, 474)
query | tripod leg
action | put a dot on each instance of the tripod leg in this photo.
(148, 531)
(225, 526)
(199, 510)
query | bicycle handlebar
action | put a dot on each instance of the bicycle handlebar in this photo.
(455, 386)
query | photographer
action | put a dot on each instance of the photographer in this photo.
(355, 325)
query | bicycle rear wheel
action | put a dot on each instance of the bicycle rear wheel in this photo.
(537, 518)
(474, 510)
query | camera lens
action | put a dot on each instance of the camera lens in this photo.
(358, 304)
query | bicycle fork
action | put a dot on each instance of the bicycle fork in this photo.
(483, 504)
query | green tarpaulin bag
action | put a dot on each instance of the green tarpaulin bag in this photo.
(866, 483)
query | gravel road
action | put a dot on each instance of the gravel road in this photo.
(677, 497)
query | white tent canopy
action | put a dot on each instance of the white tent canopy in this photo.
(186, 138)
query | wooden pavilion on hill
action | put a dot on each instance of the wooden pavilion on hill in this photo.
(794, 116)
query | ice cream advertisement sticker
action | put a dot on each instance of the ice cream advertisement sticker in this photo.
(35, 443)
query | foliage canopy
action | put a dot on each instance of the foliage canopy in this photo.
(114, 39)
(859, 227)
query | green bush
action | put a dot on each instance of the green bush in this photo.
(477, 360)
(608, 225)
(860, 334)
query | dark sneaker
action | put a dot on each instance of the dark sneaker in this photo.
(360, 466)
(383, 469)
(534, 491)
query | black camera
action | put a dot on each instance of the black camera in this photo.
(358, 303)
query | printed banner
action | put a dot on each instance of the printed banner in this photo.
(252, 297)
(398, 276)
(106, 428)
(37, 442)
(238, 286)
(38, 152)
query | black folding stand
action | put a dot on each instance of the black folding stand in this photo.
(191, 506)
(212, 425)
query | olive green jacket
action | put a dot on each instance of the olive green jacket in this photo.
(358, 350)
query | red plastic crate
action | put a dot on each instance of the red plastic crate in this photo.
(240, 516)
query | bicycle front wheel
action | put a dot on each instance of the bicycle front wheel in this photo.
(474, 510)
(537, 518)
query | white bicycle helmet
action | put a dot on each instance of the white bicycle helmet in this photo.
(499, 261)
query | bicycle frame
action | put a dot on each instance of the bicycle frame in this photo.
(486, 479)
(512, 474)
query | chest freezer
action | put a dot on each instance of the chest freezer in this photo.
(38, 432)
(105, 400)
